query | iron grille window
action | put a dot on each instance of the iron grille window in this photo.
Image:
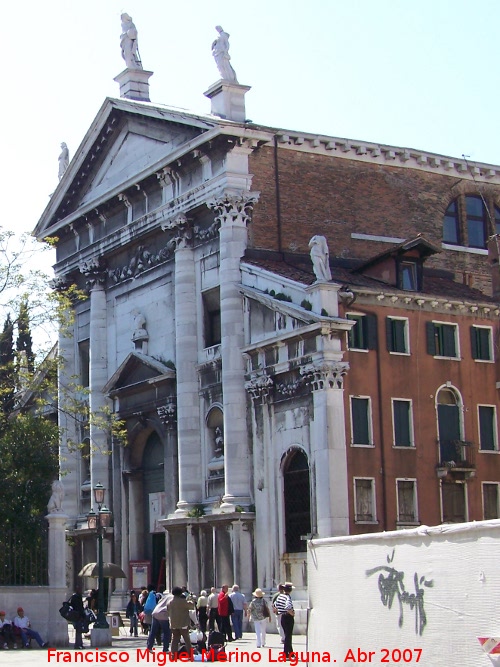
(297, 502)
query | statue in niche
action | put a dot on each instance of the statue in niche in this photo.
(63, 160)
(218, 442)
(129, 43)
(55, 501)
(320, 258)
(220, 52)
(140, 333)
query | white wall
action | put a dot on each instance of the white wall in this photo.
(347, 611)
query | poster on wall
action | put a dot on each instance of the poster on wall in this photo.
(156, 511)
(139, 574)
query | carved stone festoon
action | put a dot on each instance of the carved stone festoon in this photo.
(183, 231)
(94, 270)
(259, 386)
(325, 374)
(168, 414)
(234, 207)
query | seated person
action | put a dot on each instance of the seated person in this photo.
(22, 623)
(6, 634)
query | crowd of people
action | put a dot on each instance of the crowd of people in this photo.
(166, 618)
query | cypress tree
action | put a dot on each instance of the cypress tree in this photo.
(7, 371)
(24, 342)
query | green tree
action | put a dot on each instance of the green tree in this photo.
(7, 371)
(24, 343)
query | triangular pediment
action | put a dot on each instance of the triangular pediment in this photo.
(126, 139)
(137, 369)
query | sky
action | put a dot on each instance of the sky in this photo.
(419, 74)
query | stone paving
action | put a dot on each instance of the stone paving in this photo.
(131, 651)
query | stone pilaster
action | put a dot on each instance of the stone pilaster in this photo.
(58, 627)
(186, 358)
(95, 274)
(233, 211)
(328, 446)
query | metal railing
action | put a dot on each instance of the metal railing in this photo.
(24, 553)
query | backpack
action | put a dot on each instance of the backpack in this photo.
(150, 603)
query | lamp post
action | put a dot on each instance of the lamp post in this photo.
(99, 522)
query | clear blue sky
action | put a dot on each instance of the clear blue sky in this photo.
(420, 74)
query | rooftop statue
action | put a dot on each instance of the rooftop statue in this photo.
(63, 160)
(220, 52)
(320, 258)
(129, 43)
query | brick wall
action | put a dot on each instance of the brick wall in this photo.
(335, 197)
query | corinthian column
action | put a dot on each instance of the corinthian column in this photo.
(233, 214)
(328, 446)
(98, 373)
(186, 351)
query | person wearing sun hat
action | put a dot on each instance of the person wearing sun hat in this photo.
(284, 607)
(6, 634)
(23, 623)
(258, 612)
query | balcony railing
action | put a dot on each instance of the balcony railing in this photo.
(457, 454)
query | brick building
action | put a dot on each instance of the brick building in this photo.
(266, 402)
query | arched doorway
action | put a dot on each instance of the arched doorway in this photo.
(297, 501)
(153, 464)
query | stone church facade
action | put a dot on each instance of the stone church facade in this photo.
(265, 403)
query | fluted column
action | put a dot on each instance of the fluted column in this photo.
(98, 373)
(328, 446)
(233, 213)
(186, 360)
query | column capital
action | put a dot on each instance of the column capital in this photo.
(233, 206)
(325, 374)
(94, 270)
(259, 386)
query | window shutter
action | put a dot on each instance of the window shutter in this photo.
(473, 342)
(371, 332)
(450, 345)
(431, 340)
(388, 334)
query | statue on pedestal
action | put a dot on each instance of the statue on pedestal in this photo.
(220, 52)
(55, 501)
(129, 43)
(320, 258)
(63, 160)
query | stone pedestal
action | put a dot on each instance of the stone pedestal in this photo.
(100, 637)
(58, 627)
(228, 100)
(324, 298)
(134, 84)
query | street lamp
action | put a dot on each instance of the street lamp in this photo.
(99, 522)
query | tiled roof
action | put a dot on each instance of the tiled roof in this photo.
(438, 284)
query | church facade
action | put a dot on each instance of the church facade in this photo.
(299, 333)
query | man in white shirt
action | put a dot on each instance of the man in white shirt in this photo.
(22, 622)
(239, 606)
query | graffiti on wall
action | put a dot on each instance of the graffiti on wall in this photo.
(392, 587)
